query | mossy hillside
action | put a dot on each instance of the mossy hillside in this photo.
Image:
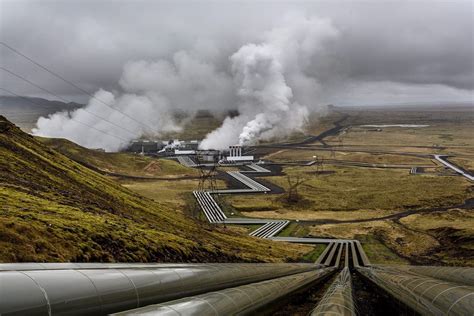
(54, 209)
(120, 163)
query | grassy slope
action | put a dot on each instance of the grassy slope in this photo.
(356, 193)
(306, 155)
(122, 163)
(54, 209)
(454, 228)
(351, 189)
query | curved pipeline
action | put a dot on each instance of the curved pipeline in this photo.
(97, 291)
(240, 300)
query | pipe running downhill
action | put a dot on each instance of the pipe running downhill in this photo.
(337, 300)
(425, 295)
(242, 300)
(103, 289)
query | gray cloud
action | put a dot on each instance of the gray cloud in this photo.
(404, 42)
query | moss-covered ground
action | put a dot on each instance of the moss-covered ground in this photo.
(121, 163)
(54, 209)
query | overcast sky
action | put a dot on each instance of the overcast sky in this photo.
(385, 51)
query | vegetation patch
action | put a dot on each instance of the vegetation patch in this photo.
(355, 189)
(313, 255)
(126, 164)
(53, 209)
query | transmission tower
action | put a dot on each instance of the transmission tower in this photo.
(207, 173)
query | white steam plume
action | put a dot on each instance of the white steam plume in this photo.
(150, 108)
(274, 91)
(151, 92)
(267, 82)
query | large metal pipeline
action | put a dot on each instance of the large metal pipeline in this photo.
(331, 255)
(337, 299)
(324, 253)
(26, 266)
(242, 300)
(363, 256)
(355, 260)
(97, 289)
(426, 295)
(461, 275)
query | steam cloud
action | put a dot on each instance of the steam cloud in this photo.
(266, 83)
(151, 92)
(267, 79)
(274, 91)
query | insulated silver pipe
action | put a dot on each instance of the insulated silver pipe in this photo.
(363, 256)
(242, 300)
(337, 299)
(323, 254)
(28, 266)
(331, 255)
(426, 295)
(461, 275)
(339, 254)
(95, 289)
(346, 256)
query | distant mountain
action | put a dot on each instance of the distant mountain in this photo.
(25, 111)
(35, 103)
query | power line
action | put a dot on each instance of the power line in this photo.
(67, 101)
(85, 124)
(72, 84)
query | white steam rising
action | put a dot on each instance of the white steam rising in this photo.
(82, 127)
(266, 82)
(151, 92)
(270, 81)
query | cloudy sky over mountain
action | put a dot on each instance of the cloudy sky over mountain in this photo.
(381, 52)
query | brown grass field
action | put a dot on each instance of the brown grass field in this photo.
(344, 202)
(358, 197)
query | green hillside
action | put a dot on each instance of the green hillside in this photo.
(119, 163)
(54, 209)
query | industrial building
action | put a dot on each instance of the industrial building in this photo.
(145, 146)
(208, 156)
(170, 147)
(235, 154)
